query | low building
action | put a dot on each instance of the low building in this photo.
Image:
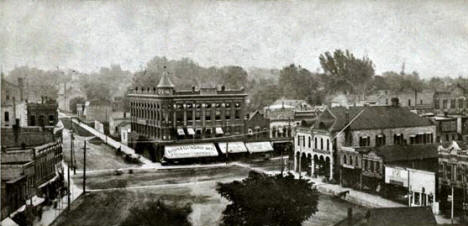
(43, 114)
(30, 165)
(13, 103)
(452, 173)
(257, 127)
(422, 101)
(452, 102)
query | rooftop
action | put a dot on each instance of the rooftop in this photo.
(370, 117)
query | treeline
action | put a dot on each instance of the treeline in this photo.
(341, 71)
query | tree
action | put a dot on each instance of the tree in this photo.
(268, 200)
(297, 82)
(75, 101)
(346, 72)
(37, 83)
(157, 213)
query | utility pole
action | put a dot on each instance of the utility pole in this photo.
(72, 157)
(68, 187)
(227, 150)
(84, 167)
(451, 212)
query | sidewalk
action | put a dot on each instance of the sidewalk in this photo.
(49, 213)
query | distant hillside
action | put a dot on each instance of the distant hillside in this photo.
(255, 73)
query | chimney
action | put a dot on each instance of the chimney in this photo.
(395, 102)
(350, 216)
(21, 87)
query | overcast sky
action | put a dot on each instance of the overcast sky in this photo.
(430, 36)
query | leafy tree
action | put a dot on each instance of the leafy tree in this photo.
(268, 200)
(157, 213)
(346, 72)
(37, 82)
(75, 101)
(297, 82)
(233, 77)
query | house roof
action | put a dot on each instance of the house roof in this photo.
(372, 117)
(29, 136)
(401, 216)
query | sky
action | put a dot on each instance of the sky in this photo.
(430, 37)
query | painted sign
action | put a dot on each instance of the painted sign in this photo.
(190, 151)
(99, 126)
(259, 147)
(233, 147)
(422, 181)
(396, 175)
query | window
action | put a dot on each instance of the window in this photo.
(409, 102)
(309, 141)
(207, 115)
(6, 116)
(380, 140)
(33, 120)
(197, 115)
(436, 103)
(460, 103)
(350, 160)
(328, 145)
(421, 101)
(386, 101)
(364, 141)
(377, 166)
(366, 162)
(51, 119)
(398, 139)
(315, 143)
(452, 103)
(321, 143)
(227, 113)
(189, 115)
(298, 140)
(344, 159)
(237, 114)
(218, 114)
(444, 104)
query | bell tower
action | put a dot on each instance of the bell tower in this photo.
(165, 86)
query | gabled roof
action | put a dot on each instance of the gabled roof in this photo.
(165, 82)
(371, 117)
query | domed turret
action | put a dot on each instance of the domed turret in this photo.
(165, 85)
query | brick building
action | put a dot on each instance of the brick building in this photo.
(42, 114)
(165, 116)
(347, 140)
(452, 102)
(30, 165)
(452, 172)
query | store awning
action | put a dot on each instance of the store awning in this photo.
(180, 132)
(233, 147)
(190, 131)
(190, 151)
(219, 131)
(256, 147)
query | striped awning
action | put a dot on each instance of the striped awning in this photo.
(219, 130)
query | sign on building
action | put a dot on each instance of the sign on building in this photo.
(396, 175)
(422, 181)
(99, 126)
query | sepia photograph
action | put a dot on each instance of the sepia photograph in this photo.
(234, 112)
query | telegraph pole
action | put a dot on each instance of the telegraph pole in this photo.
(68, 187)
(84, 167)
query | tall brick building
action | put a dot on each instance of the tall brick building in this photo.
(164, 116)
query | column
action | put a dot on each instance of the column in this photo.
(331, 168)
(312, 166)
(185, 117)
(295, 161)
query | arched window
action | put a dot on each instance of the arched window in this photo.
(321, 143)
(315, 143)
(344, 159)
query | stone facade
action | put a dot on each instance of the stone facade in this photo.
(42, 114)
